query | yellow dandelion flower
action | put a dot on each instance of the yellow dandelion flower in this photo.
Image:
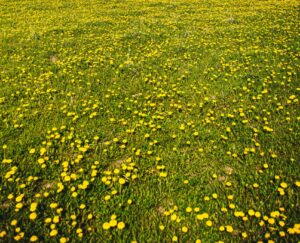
(33, 206)
(53, 205)
(163, 174)
(33, 238)
(188, 209)
(282, 223)
(228, 184)
(231, 206)
(257, 214)
(282, 233)
(48, 220)
(251, 212)
(209, 223)
(43, 151)
(55, 219)
(33, 216)
(122, 181)
(106, 226)
(174, 238)
(184, 229)
(32, 151)
(283, 185)
(121, 225)
(173, 217)
(63, 240)
(113, 223)
(13, 222)
(2, 233)
(271, 221)
(19, 198)
(224, 210)
(229, 228)
(53, 232)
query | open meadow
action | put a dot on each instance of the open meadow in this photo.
(150, 121)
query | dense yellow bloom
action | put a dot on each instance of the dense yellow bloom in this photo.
(251, 212)
(106, 226)
(63, 240)
(184, 229)
(174, 238)
(53, 232)
(34, 238)
(113, 223)
(14, 222)
(33, 216)
(122, 181)
(33, 206)
(55, 219)
(19, 198)
(229, 228)
(121, 225)
(2, 233)
(188, 209)
(209, 223)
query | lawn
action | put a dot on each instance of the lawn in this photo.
(149, 121)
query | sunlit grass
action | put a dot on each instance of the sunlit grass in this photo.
(149, 121)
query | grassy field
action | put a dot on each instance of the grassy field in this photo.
(149, 121)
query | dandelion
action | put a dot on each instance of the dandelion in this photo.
(188, 209)
(121, 225)
(174, 238)
(113, 223)
(184, 229)
(122, 181)
(53, 233)
(63, 240)
(209, 223)
(33, 238)
(229, 228)
(19, 198)
(173, 217)
(32, 216)
(251, 212)
(55, 219)
(106, 226)
(13, 222)
(271, 221)
(283, 185)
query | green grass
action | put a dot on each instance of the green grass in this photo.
(148, 110)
